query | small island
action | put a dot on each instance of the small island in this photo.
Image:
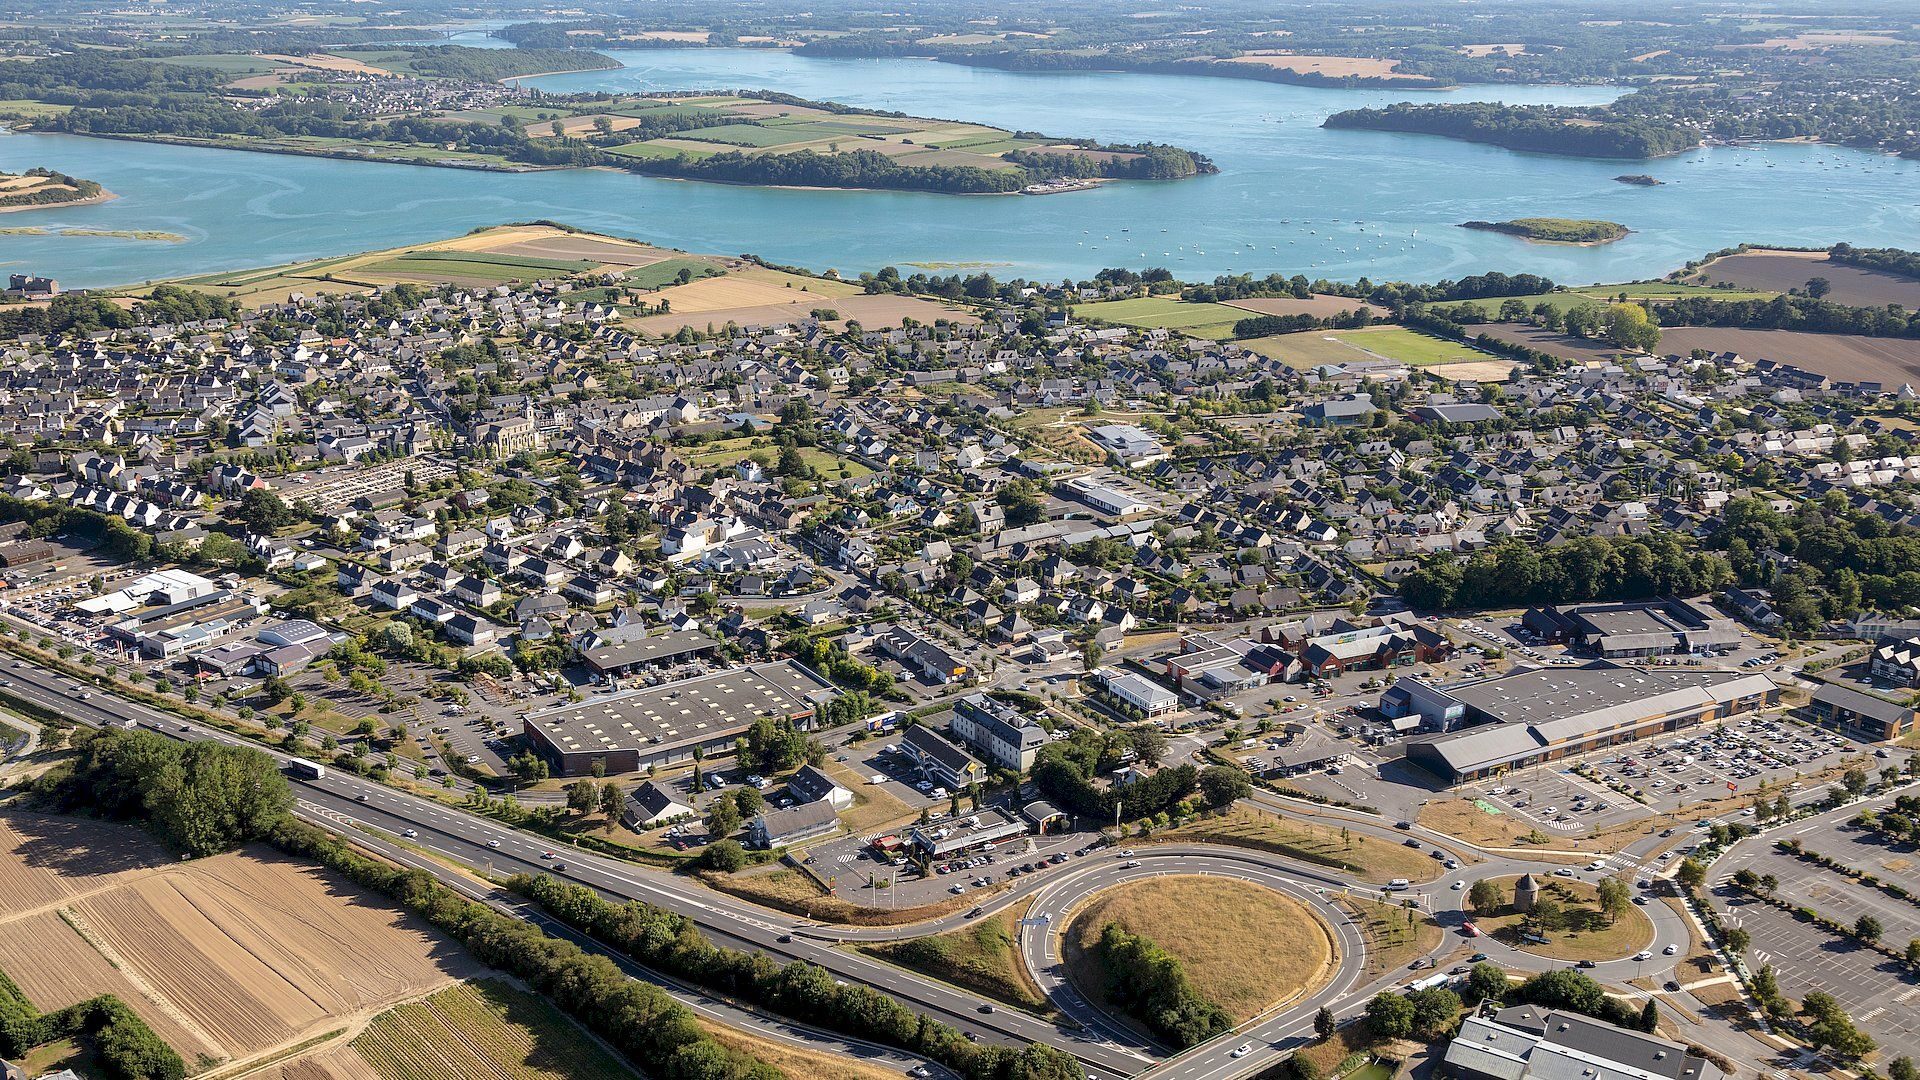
(1640, 180)
(37, 189)
(1545, 230)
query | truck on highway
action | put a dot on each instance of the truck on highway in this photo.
(306, 770)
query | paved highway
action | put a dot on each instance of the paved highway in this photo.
(353, 805)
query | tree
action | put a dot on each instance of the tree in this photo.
(726, 856)
(1486, 896)
(1390, 1016)
(1614, 898)
(262, 511)
(528, 766)
(1692, 873)
(1630, 326)
(582, 797)
(1902, 1068)
(1434, 1010)
(1223, 785)
(1867, 928)
(1833, 1028)
(1818, 287)
(612, 801)
(723, 817)
(1324, 1024)
(1649, 1016)
(1738, 940)
(1487, 983)
(1090, 653)
(748, 801)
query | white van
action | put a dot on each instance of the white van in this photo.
(1398, 883)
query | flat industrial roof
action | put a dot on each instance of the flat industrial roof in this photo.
(1556, 693)
(687, 712)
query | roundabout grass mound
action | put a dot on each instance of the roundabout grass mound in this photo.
(1574, 926)
(1245, 947)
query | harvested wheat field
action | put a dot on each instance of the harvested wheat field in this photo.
(1333, 67)
(55, 967)
(872, 312)
(45, 860)
(258, 949)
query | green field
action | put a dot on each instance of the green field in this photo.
(485, 1029)
(751, 135)
(28, 109)
(727, 452)
(229, 63)
(665, 272)
(1605, 294)
(1166, 313)
(1312, 348)
(647, 151)
(528, 262)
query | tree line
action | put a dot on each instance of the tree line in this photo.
(1064, 771)
(1536, 128)
(1512, 572)
(124, 1047)
(1151, 985)
(669, 942)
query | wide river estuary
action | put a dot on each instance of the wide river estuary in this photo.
(1290, 196)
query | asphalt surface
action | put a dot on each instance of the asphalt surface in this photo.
(412, 826)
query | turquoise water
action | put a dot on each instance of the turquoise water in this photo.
(1290, 197)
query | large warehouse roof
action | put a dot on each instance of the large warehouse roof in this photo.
(698, 710)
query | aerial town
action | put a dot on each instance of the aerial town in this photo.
(887, 633)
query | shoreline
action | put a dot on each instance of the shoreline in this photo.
(1502, 228)
(104, 196)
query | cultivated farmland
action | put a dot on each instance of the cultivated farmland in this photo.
(1778, 271)
(1166, 313)
(483, 1031)
(226, 958)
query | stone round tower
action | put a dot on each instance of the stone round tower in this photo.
(1525, 892)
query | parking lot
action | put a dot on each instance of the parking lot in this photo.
(1740, 756)
(1875, 991)
(1556, 800)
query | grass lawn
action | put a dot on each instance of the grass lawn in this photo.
(1367, 857)
(795, 1063)
(666, 272)
(983, 957)
(29, 109)
(648, 151)
(1168, 313)
(1464, 819)
(1312, 348)
(1586, 936)
(1253, 948)
(488, 258)
(1391, 942)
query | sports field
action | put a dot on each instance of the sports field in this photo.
(1314, 348)
(1166, 313)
